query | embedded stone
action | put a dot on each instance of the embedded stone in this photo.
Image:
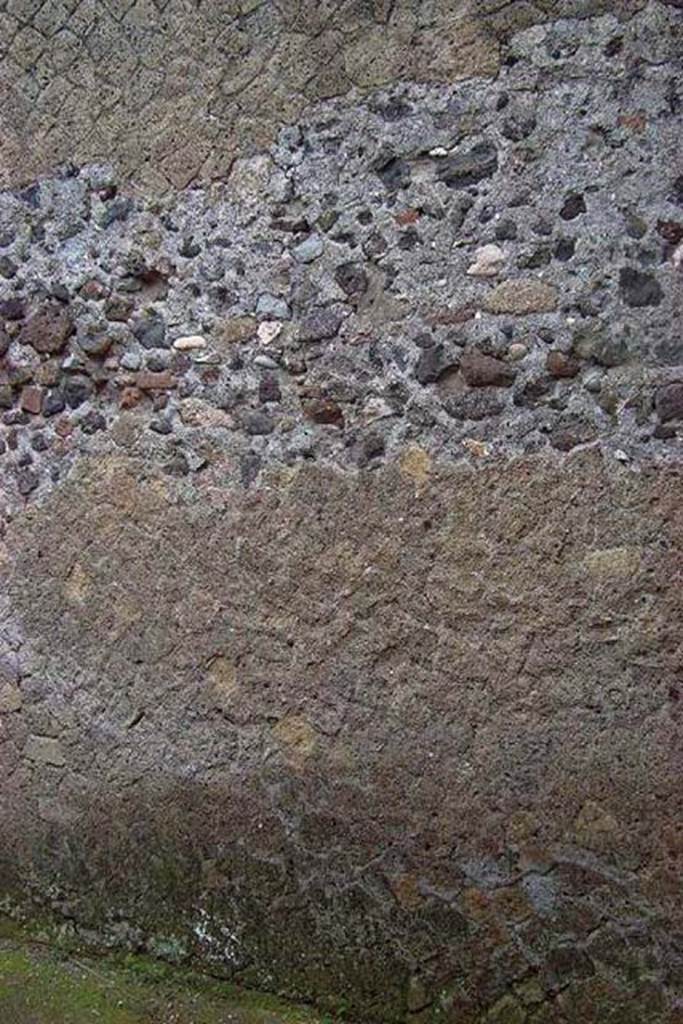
(464, 169)
(149, 380)
(669, 401)
(27, 481)
(573, 206)
(31, 399)
(489, 260)
(48, 329)
(272, 306)
(12, 309)
(309, 250)
(45, 750)
(521, 297)
(670, 230)
(236, 330)
(96, 344)
(352, 279)
(269, 388)
(639, 288)
(10, 698)
(53, 402)
(433, 364)
(189, 343)
(258, 422)
(77, 390)
(151, 332)
(268, 331)
(517, 351)
(130, 397)
(482, 371)
(323, 411)
(560, 365)
(394, 172)
(320, 325)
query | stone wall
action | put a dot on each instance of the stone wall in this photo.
(341, 396)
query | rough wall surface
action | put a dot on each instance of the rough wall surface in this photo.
(341, 385)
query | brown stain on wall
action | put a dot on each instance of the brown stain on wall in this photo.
(387, 710)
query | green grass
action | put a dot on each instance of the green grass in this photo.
(40, 986)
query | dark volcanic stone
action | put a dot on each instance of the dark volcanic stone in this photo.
(639, 288)
(258, 422)
(189, 248)
(464, 169)
(8, 268)
(77, 390)
(324, 411)
(269, 388)
(571, 432)
(372, 447)
(564, 249)
(161, 425)
(560, 365)
(118, 209)
(408, 239)
(518, 126)
(573, 206)
(53, 403)
(157, 363)
(506, 230)
(670, 230)
(432, 364)
(320, 325)
(96, 344)
(151, 332)
(475, 405)
(250, 465)
(352, 279)
(40, 443)
(482, 371)
(27, 481)
(669, 401)
(635, 225)
(48, 329)
(92, 422)
(534, 391)
(394, 172)
(12, 309)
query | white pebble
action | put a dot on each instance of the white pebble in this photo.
(266, 361)
(189, 342)
(488, 262)
(517, 351)
(268, 331)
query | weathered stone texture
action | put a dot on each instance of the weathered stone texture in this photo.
(341, 398)
(410, 724)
